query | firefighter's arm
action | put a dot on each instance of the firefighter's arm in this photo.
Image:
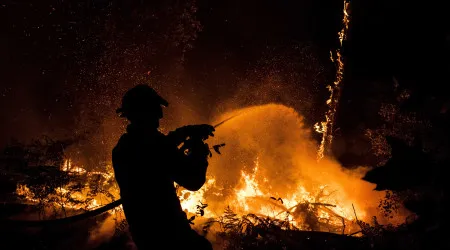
(177, 136)
(189, 171)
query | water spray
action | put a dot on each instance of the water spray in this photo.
(222, 122)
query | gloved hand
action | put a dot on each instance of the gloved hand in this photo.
(201, 130)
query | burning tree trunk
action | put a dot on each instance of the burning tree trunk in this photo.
(326, 127)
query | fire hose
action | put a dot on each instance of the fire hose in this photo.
(75, 218)
(59, 221)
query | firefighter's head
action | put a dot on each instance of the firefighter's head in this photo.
(142, 104)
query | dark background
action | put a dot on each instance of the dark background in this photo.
(65, 64)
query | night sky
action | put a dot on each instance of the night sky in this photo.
(64, 64)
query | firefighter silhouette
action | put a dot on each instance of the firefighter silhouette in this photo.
(146, 164)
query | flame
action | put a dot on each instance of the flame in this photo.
(248, 197)
(69, 167)
(64, 198)
(268, 168)
(190, 200)
(326, 127)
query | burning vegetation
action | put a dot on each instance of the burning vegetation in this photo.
(267, 176)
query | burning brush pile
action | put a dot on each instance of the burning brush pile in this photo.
(267, 181)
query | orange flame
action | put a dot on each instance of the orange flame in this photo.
(268, 168)
(326, 127)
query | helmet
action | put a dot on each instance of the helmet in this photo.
(140, 98)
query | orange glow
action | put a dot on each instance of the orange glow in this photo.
(326, 127)
(269, 168)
